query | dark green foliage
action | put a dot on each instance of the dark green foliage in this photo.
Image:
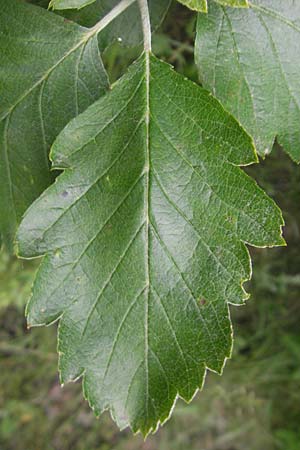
(254, 406)
(144, 233)
(153, 202)
(249, 59)
(126, 28)
(50, 73)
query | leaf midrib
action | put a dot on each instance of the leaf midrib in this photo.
(147, 218)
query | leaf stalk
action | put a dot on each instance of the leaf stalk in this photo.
(145, 16)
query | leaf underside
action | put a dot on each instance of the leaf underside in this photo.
(249, 59)
(144, 235)
(49, 73)
(201, 5)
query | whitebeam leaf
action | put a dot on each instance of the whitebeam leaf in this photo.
(50, 71)
(249, 59)
(144, 235)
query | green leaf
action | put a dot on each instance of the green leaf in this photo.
(249, 59)
(234, 3)
(50, 71)
(201, 5)
(41, 3)
(144, 235)
(196, 5)
(69, 4)
(127, 27)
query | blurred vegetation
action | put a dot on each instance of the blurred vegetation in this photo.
(255, 405)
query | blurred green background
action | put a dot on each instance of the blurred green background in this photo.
(255, 405)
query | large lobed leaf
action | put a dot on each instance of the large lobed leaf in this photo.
(144, 235)
(50, 71)
(250, 59)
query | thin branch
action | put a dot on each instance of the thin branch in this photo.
(112, 15)
(145, 16)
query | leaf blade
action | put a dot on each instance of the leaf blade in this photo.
(201, 5)
(38, 99)
(127, 27)
(196, 5)
(234, 3)
(238, 79)
(69, 4)
(155, 310)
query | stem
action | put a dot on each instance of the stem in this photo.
(113, 14)
(145, 16)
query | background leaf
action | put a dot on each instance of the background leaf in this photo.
(69, 4)
(201, 5)
(197, 5)
(249, 59)
(41, 3)
(144, 238)
(126, 28)
(50, 71)
(234, 3)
